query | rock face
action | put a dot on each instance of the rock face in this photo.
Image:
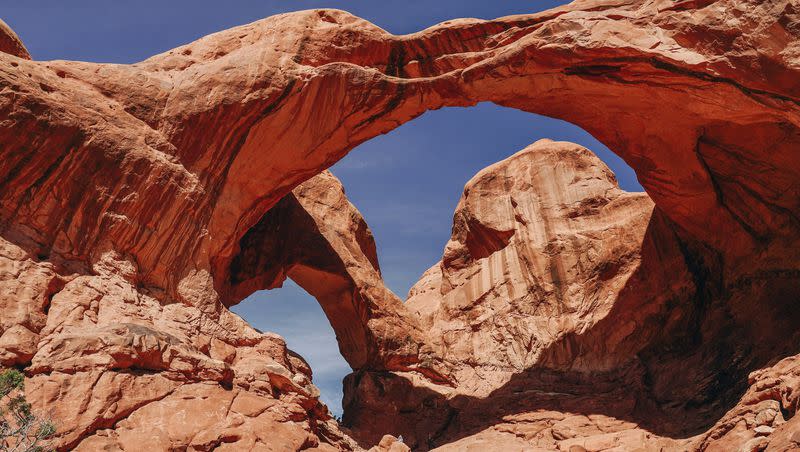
(548, 289)
(316, 237)
(147, 371)
(543, 244)
(139, 201)
(571, 314)
(10, 42)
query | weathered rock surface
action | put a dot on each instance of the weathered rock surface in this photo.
(543, 244)
(132, 195)
(147, 371)
(572, 314)
(10, 42)
(545, 250)
(317, 238)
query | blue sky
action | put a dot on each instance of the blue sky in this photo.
(405, 183)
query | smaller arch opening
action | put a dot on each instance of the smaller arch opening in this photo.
(294, 314)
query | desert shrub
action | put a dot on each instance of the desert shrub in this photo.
(20, 430)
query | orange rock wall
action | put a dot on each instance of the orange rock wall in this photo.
(128, 190)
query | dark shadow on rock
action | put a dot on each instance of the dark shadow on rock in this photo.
(286, 242)
(699, 330)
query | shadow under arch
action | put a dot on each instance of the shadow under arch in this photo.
(724, 189)
(287, 242)
(685, 365)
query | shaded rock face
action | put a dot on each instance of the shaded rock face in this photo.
(148, 371)
(572, 313)
(139, 201)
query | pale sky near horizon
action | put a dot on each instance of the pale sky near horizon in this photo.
(405, 183)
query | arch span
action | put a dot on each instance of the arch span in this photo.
(204, 156)
(316, 237)
(317, 83)
(189, 150)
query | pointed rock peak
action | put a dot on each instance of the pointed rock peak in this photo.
(10, 42)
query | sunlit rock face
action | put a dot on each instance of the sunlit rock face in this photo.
(572, 313)
(543, 244)
(138, 202)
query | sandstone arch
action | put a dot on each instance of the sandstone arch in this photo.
(544, 63)
(190, 149)
(317, 238)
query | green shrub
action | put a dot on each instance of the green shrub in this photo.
(20, 430)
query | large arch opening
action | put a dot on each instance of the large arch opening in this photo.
(660, 98)
(406, 184)
(693, 257)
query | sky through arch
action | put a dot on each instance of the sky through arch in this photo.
(405, 183)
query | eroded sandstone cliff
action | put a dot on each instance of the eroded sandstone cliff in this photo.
(139, 201)
(572, 313)
(120, 366)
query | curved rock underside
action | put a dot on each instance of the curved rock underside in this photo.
(139, 201)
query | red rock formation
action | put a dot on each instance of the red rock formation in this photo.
(127, 192)
(545, 247)
(10, 42)
(572, 314)
(127, 356)
(543, 244)
(316, 237)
